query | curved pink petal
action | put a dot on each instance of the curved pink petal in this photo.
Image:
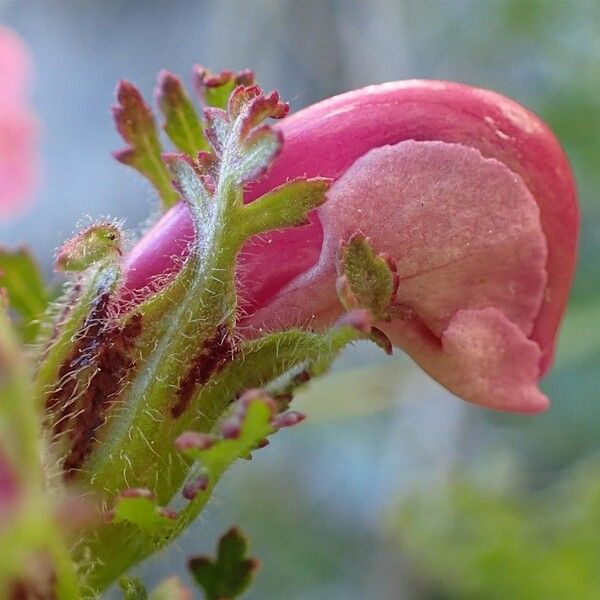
(483, 358)
(327, 138)
(466, 235)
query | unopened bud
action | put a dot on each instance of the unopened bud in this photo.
(167, 513)
(137, 493)
(231, 429)
(88, 247)
(193, 439)
(288, 419)
(194, 486)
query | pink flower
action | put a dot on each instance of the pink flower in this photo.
(469, 192)
(18, 127)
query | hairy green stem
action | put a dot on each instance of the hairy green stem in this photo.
(259, 362)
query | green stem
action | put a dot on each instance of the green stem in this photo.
(136, 447)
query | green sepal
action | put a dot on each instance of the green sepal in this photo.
(230, 573)
(367, 280)
(181, 124)
(135, 123)
(28, 296)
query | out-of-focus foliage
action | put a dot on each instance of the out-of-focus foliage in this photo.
(230, 573)
(24, 286)
(468, 541)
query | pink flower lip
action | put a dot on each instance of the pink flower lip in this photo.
(514, 156)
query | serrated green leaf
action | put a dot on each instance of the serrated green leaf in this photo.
(133, 588)
(142, 511)
(181, 121)
(370, 280)
(230, 574)
(20, 276)
(135, 123)
(285, 206)
(255, 426)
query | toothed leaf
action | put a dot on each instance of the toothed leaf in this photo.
(254, 425)
(230, 574)
(181, 121)
(287, 205)
(244, 147)
(257, 108)
(135, 123)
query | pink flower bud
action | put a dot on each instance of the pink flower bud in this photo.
(18, 127)
(466, 190)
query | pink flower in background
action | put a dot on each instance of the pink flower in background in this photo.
(18, 127)
(469, 192)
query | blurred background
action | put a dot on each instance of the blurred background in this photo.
(391, 489)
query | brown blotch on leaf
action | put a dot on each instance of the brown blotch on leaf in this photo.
(90, 379)
(215, 353)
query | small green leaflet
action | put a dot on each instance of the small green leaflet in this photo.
(230, 574)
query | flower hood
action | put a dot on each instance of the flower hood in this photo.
(468, 192)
